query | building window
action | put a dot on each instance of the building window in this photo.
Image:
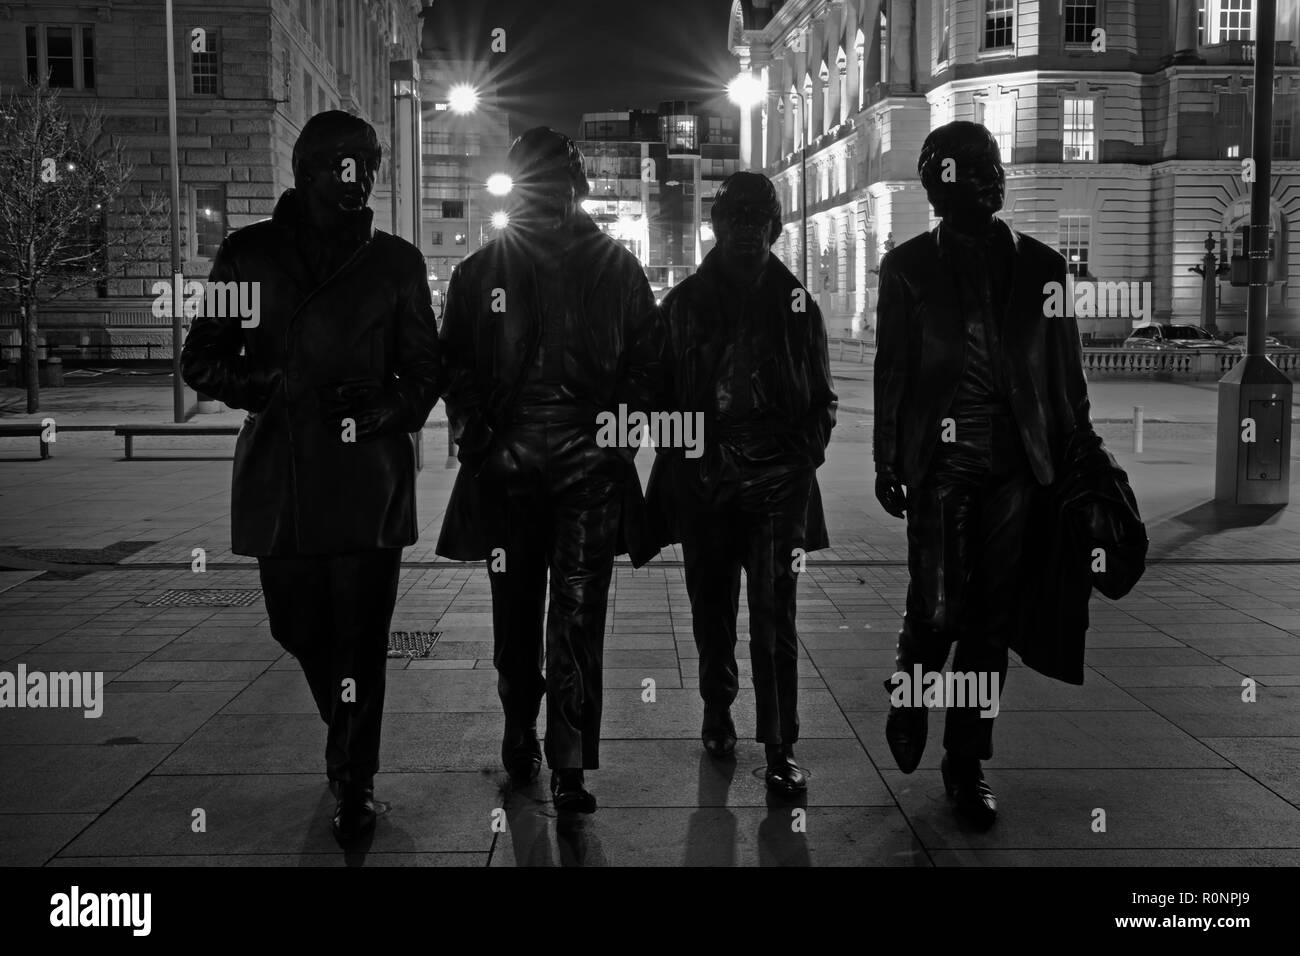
(943, 18)
(860, 44)
(436, 238)
(1222, 21)
(884, 47)
(453, 209)
(999, 18)
(205, 67)
(209, 218)
(1235, 21)
(1079, 130)
(1080, 20)
(1075, 232)
(998, 116)
(1233, 124)
(306, 96)
(679, 131)
(1283, 111)
(66, 55)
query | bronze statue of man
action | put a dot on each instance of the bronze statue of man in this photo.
(336, 371)
(547, 328)
(977, 392)
(745, 348)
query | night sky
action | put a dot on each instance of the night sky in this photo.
(569, 57)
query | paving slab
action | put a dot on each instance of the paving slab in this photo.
(288, 813)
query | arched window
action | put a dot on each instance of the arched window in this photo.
(884, 47)
(860, 45)
(805, 117)
(842, 68)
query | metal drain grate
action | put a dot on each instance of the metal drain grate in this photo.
(411, 644)
(208, 597)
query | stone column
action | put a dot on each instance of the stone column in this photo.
(746, 122)
(1185, 50)
(786, 115)
(760, 64)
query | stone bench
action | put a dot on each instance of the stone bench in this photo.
(27, 430)
(184, 429)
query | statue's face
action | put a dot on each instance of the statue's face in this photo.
(544, 203)
(979, 182)
(343, 175)
(743, 234)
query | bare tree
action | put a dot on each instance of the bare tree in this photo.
(61, 185)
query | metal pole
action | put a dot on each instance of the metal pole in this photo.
(178, 385)
(1262, 153)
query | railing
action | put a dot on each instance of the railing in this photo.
(1188, 364)
(1181, 363)
(1242, 52)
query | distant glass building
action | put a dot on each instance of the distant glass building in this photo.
(653, 176)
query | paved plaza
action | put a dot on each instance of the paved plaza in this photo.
(203, 711)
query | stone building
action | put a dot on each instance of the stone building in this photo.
(1122, 124)
(268, 65)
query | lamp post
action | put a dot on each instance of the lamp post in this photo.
(178, 280)
(404, 117)
(746, 91)
(1253, 453)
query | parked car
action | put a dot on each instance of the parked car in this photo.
(1271, 344)
(1162, 335)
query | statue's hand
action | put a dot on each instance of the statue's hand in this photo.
(891, 495)
(262, 384)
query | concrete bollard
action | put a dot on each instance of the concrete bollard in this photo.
(1137, 429)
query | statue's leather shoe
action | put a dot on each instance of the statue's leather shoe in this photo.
(521, 754)
(905, 731)
(965, 783)
(718, 733)
(783, 775)
(355, 813)
(569, 792)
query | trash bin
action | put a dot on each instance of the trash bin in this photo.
(52, 373)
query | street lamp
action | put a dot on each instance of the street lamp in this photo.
(747, 91)
(499, 184)
(462, 98)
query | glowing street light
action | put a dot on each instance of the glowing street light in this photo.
(462, 98)
(746, 91)
(500, 219)
(499, 184)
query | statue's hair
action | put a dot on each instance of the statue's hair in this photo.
(950, 142)
(325, 128)
(753, 189)
(542, 150)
